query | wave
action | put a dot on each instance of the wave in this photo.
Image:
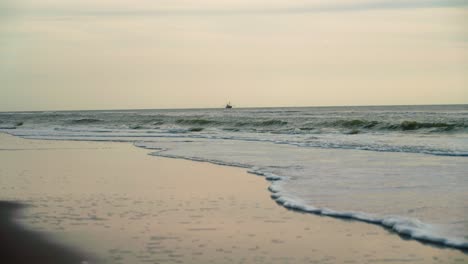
(347, 142)
(408, 227)
(84, 121)
(75, 130)
(230, 123)
(417, 149)
(355, 123)
(353, 126)
(320, 123)
(11, 126)
(195, 129)
(406, 125)
(413, 125)
(272, 122)
(137, 127)
(200, 122)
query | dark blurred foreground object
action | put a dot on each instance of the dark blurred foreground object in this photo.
(18, 246)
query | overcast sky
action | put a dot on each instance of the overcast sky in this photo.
(110, 54)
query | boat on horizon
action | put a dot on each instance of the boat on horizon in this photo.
(228, 106)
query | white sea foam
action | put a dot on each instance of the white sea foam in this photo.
(412, 228)
(409, 227)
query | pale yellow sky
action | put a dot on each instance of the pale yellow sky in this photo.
(72, 54)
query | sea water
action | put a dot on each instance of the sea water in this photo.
(402, 167)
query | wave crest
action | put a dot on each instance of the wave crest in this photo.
(198, 121)
(407, 125)
(264, 123)
(413, 125)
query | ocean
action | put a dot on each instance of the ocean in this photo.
(402, 167)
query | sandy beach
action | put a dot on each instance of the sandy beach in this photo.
(116, 204)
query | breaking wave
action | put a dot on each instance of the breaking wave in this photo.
(407, 125)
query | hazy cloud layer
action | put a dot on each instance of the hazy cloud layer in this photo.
(150, 54)
(207, 7)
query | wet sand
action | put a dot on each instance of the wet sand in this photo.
(115, 202)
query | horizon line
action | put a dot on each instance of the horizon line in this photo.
(212, 108)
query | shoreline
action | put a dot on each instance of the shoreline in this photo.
(182, 201)
(392, 226)
(389, 223)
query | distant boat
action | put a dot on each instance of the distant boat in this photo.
(228, 106)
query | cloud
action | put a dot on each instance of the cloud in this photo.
(182, 8)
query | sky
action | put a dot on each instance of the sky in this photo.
(141, 54)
